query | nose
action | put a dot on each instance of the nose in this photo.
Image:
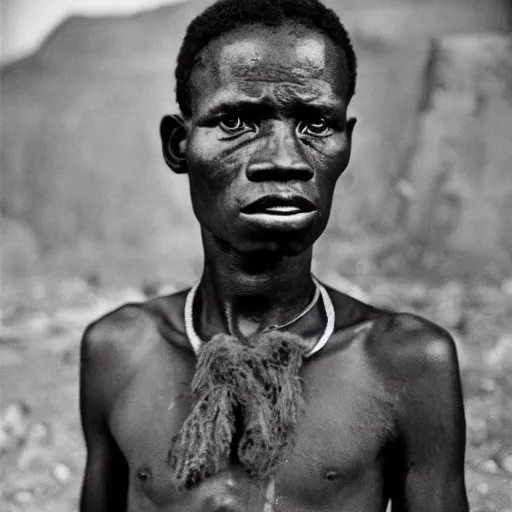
(280, 159)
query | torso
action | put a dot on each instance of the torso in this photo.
(338, 461)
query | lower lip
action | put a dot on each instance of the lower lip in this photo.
(288, 221)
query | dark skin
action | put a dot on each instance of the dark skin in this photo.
(384, 415)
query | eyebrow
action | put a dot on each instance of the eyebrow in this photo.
(265, 107)
(239, 105)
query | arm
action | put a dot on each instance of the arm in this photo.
(105, 482)
(431, 423)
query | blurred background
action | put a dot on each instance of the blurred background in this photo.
(91, 217)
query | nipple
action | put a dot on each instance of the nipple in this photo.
(143, 475)
(331, 475)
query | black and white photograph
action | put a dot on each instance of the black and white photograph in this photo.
(256, 256)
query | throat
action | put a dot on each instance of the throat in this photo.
(240, 303)
(250, 327)
(243, 315)
(197, 342)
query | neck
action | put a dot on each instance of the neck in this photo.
(241, 294)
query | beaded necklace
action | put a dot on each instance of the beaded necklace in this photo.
(320, 290)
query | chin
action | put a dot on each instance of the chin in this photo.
(263, 241)
(286, 238)
(276, 245)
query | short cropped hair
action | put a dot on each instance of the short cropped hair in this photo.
(227, 15)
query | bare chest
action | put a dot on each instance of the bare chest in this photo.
(337, 447)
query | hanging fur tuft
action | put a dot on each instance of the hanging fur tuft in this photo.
(254, 388)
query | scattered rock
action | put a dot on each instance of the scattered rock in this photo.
(39, 432)
(501, 354)
(39, 322)
(450, 305)
(483, 488)
(24, 497)
(14, 424)
(490, 466)
(62, 473)
(505, 461)
(37, 452)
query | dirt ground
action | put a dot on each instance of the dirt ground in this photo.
(41, 447)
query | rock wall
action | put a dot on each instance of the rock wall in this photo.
(80, 158)
(460, 170)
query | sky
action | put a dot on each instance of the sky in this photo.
(25, 23)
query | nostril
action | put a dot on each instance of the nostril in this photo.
(274, 171)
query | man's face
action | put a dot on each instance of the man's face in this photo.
(268, 136)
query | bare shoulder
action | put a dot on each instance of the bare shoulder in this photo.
(111, 335)
(412, 345)
(418, 364)
(112, 345)
(401, 345)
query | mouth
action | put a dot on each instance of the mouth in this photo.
(281, 213)
(279, 205)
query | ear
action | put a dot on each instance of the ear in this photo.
(350, 129)
(173, 132)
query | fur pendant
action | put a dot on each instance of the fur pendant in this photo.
(247, 398)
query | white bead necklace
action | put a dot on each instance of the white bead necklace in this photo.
(197, 342)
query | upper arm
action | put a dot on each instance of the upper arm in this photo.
(105, 478)
(431, 422)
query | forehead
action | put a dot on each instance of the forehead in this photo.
(256, 59)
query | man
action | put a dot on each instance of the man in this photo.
(260, 389)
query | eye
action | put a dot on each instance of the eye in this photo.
(233, 125)
(316, 128)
